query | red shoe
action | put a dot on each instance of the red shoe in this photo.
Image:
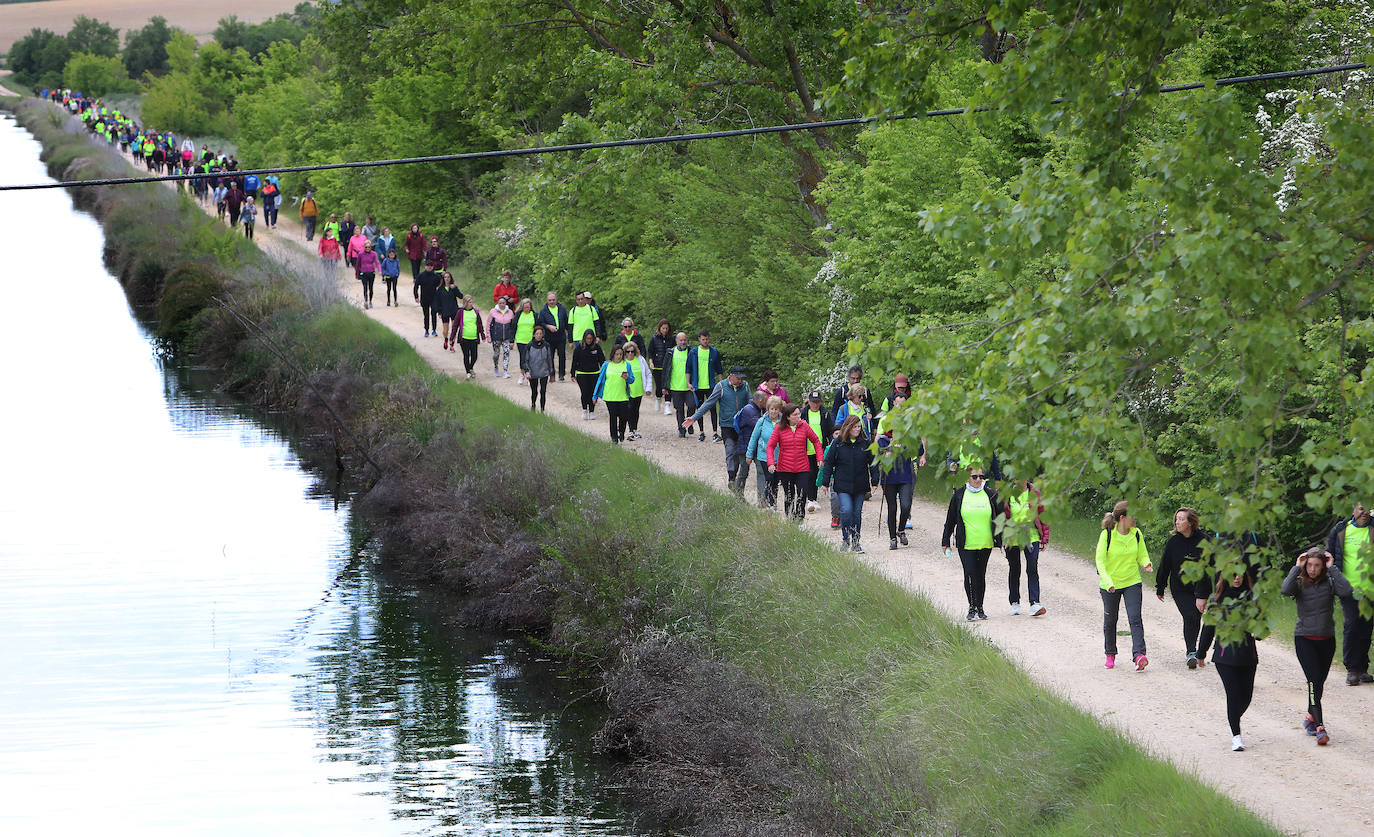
(445, 345)
(1322, 738)
(1141, 661)
(834, 523)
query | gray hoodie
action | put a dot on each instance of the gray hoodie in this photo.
(1315, 605)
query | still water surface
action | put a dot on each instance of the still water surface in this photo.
(191, 641)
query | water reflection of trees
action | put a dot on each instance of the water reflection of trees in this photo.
(458, 728)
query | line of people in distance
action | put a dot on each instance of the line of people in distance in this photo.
(1338, 570)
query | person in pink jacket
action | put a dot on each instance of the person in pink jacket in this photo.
(354, 248)
(786, 454)
(771, 386)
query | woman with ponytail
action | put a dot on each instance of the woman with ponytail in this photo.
(1121, 553)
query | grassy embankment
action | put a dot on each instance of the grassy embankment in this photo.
(759, 681)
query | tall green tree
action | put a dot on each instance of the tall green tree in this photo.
(93, 37)
(145, 50)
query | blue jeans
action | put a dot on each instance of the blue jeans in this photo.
(851, 515)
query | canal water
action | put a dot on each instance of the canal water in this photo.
(193, 640)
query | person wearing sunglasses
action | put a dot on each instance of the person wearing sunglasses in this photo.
(970, 521)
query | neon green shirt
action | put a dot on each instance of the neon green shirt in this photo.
(976, 510)
(1119, 565)
(1356, 563)
(677, 376)
(524, 327)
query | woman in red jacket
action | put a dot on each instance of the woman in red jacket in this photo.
(506, 288)
(415, 250)
(787, 458)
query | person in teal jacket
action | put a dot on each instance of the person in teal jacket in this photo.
(1121, 553)
(757, 453)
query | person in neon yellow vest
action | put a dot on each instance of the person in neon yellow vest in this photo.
(1351, 544)
(584, 316)
(704, 371)
(525, 320)
(679, 383)
(613, 384)
(644, 380)
(970, 519)
(469, 331)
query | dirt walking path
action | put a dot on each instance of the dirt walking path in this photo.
(1172, 712)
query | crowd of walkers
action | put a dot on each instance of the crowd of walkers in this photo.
(794, 450)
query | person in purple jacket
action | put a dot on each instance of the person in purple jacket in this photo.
(367, 265)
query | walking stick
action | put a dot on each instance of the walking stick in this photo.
(881, 505)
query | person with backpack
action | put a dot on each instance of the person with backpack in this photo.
(1314, 583)
(584, 316)
(1351, 544)
(728, 397)
(613, 386)
(586, 367)
(536, 364)
(846, 473)
(767, 483)
(271, 197)
(1183, 548)
(1121, 553)
(969, 525)
(249, 217)
(1235, 662)
(1025, 535)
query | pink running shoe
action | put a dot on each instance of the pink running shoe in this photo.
(1141, 661)
(1111, 661)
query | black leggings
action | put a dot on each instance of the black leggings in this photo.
(619, 412)
(635, 401)
(539, 388)
(1315, 656)
(587, 383)
(431, 316)
(975, 563)
(1192, 620)
(369, 280)
(702, 395)
(469, 354)
(392, 295)
(897, 494)
(1239, 682)
(793, 492)
(415, 265)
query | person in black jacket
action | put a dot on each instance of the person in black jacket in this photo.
(855, 376)
(1315, 583)
(970, 519)
(426, 284)
(847, 461)
(447, 300)
(586, 366)
(554, 318)
(1183, 547)
(1236, 663)
(660, 345)
(814, 414)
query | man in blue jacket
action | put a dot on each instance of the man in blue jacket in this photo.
(744, 423)
(704, 371)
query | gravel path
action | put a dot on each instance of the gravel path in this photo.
(1170, 711)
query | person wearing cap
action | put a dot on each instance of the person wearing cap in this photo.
(703, 372)
(900, 386)
(823, 423)
(554, 318)
(728, 397)
(584, 316)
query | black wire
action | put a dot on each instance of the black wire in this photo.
(639, 141)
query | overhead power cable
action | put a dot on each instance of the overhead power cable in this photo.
(638, 141)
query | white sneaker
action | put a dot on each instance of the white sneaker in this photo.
(1236, 744)
(1036, 609)
(584, 413)
(1016, 609)
(521, 382)
(667, 411)
(506, 375)
(810, 505)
